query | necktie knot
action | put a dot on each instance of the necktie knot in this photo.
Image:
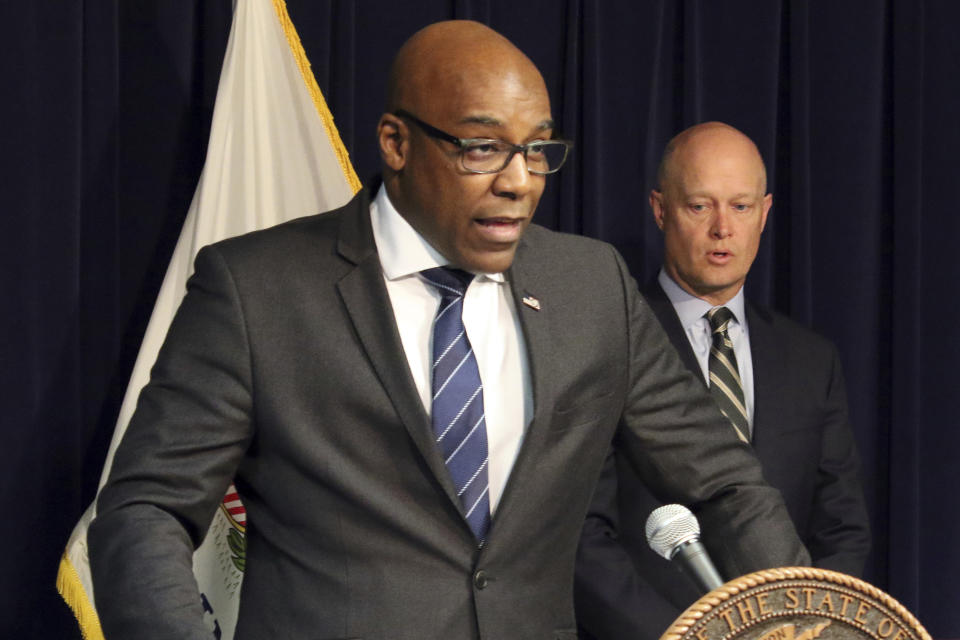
(450, 282)
(719, 319)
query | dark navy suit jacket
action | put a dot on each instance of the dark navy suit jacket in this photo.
(804, 442)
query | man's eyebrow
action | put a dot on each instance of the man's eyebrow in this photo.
(487, 120)
(494, 122)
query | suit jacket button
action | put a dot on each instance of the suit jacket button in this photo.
(480, 579)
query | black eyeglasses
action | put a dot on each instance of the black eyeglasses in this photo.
(487, 155)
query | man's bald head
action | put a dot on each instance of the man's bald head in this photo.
(453, 81)
(705, 139)
(712, 206)
(437, 62)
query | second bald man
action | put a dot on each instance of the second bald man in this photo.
(779, 385)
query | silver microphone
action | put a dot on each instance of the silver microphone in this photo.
(674, 533)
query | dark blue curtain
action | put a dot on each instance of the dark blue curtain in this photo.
(105, 117)
(853, 105)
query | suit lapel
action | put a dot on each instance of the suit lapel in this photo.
(365, 296)
(530, 290)
(768, 357)
(534, 313)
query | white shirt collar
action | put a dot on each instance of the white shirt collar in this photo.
(403, 251)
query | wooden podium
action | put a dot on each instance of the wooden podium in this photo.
(796, 603)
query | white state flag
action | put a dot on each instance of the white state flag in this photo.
(274, 154)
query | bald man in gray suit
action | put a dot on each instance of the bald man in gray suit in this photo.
(299, 365)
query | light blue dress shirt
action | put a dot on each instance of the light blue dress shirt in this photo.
(691, 311)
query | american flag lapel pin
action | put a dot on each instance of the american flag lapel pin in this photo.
(531, 302)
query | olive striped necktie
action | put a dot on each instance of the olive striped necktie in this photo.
(725, 384)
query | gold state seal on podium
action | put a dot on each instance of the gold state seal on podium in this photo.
(796, 603)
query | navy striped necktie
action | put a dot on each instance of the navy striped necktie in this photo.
(457, 409)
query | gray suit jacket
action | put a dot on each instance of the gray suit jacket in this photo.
(801, 436)
(284, 370)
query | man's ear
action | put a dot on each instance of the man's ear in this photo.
(656, 205)
(393, 141)
(767, 203)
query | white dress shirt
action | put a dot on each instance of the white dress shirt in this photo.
(492, 326)
(691, 311)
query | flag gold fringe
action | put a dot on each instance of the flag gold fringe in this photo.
(73, 593)
(296, 48)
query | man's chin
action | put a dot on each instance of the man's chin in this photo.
(715, 291)
(487, 261)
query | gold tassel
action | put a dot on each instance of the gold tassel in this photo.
(296, 48)
(73, 593)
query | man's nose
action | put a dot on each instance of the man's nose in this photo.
(720, 227)
(514, 180)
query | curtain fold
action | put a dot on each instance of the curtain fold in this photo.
(904, 110)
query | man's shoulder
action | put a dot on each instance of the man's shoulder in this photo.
(571, 267)
(794, 335)
(315, 234)
(314, 225)
(548, 244)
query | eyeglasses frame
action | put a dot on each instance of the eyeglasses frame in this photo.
(463, 143)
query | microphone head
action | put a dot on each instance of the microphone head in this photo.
(669, 527)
